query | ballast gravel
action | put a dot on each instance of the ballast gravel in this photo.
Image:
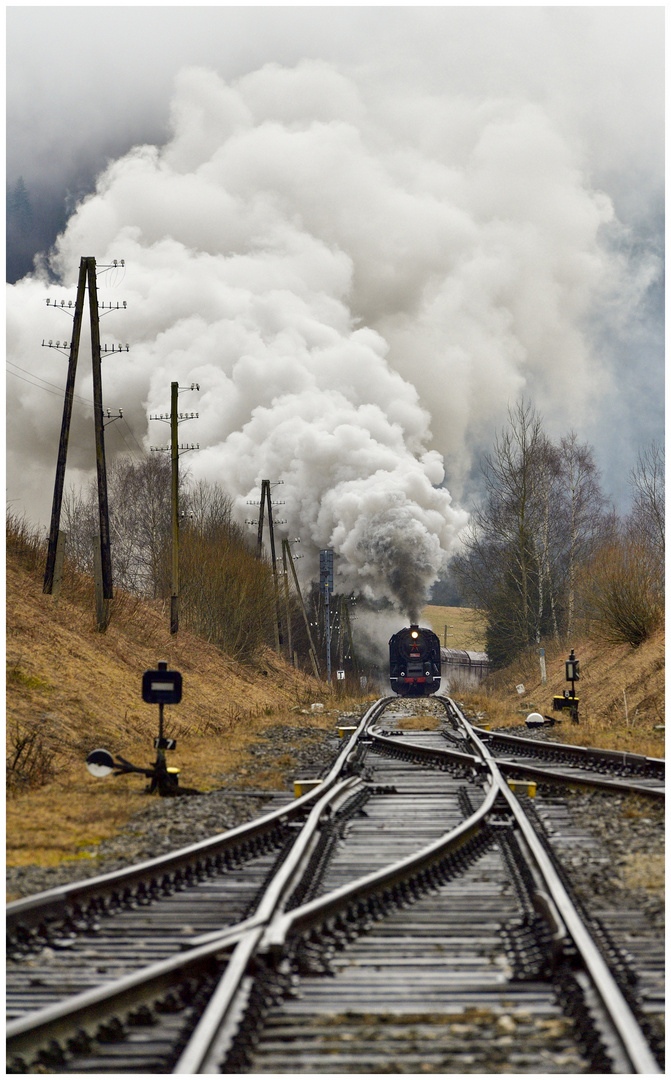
(618, 833)
(167, 824)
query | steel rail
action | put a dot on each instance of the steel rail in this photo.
(209, 1040)
(425, 753)
(538, 772)
(549, 774)
(538, 747)
(266, 931)
(205, 1041)
(635, 1055)
(53, 904)
(628, 1047)
(278, 891)
(315, 911)
(85, 1011)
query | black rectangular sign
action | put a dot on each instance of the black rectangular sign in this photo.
(162, 687)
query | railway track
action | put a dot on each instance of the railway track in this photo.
(543, 759)
(408, 914)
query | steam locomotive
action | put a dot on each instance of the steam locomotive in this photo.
(414, 662)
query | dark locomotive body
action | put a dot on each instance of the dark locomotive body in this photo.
(414, 662)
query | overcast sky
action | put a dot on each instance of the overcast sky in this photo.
(480, 190)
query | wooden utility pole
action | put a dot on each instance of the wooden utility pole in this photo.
(103, 508)
(65, 432)
(326, 590)
(87, 278)
(349, 635)
(259, 535)
(313, 650)
(271, 530)
(265, 497)
(287, 606)
(174, 418)
(174, 457)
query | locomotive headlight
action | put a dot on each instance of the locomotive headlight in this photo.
(414, 634)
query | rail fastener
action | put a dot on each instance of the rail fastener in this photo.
(301, 787)
(523, 787)
(346, 729)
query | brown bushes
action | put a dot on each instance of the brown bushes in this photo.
(31, 762)
(226, 592)
(622, 594)
(25, 542)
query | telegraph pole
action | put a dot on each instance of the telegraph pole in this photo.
(326, 586)
(259, 535)
(174, 418)
(351, 643)
(65, 432)
(265, 497)
(328, 634)
(102, 554)
(103, 508)
(174, 502)
(313, 651)
(271, 530)
(287, 606)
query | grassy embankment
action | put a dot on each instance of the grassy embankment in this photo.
(71, 689)
(621, 689)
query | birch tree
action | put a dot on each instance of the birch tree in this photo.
(585, 510)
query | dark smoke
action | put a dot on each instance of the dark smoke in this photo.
(404, 555)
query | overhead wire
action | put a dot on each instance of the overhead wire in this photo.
(51, 388)
(57, 390)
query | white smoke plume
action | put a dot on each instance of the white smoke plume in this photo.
(359, 285)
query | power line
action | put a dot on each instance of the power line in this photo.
(140, 453)
(134, 438)
(58, 391)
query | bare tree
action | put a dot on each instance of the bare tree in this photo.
(542, 512)
(647, 516)
(139, 504)
(225, 591)
(585, 507)
(506, 563)
(79, 519)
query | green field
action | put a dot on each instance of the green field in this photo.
(457, 627)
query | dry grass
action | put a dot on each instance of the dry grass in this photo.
(426, 722)
(87, 810)
(621, 692)
(75, 690)
(645, 870)
(457, 627)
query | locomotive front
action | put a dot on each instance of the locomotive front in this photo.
(414, 662)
